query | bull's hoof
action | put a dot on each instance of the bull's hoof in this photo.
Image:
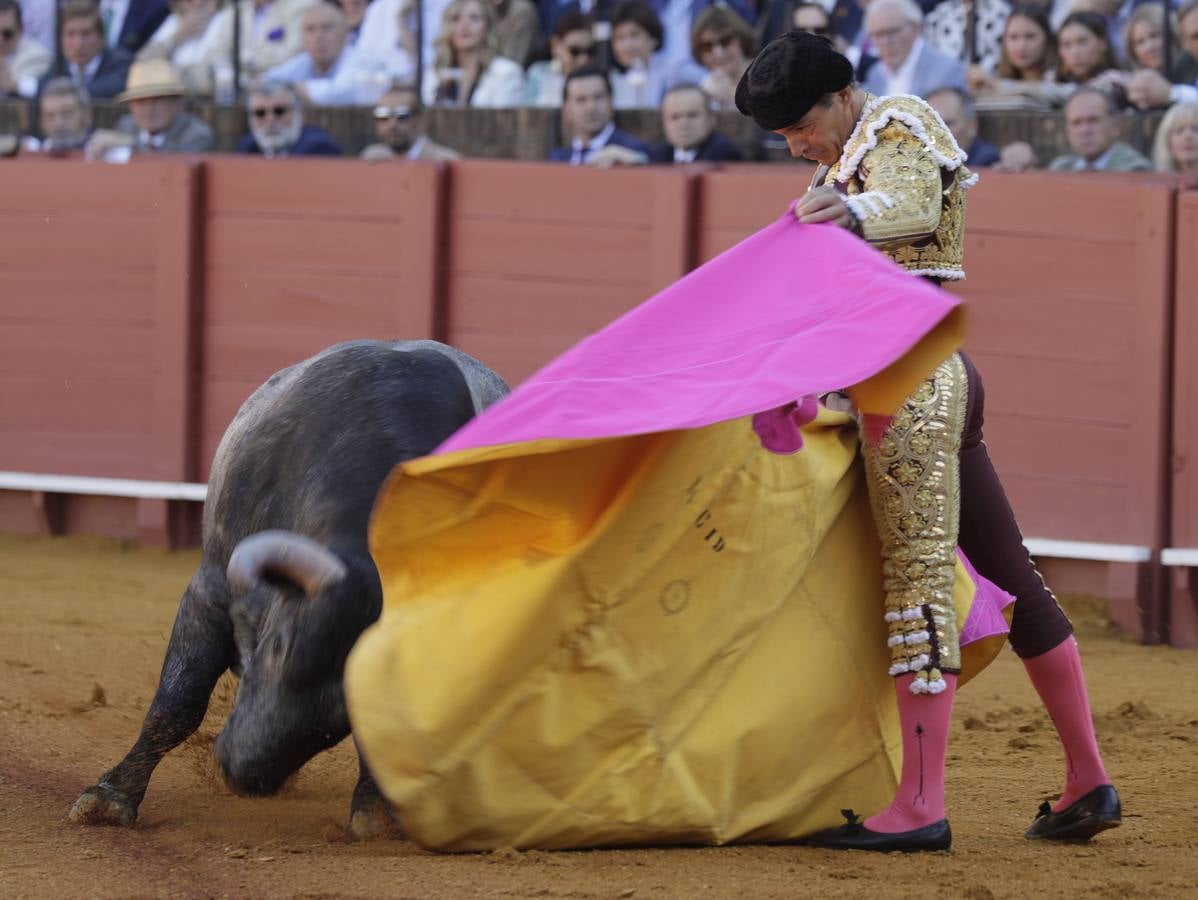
(373, 822)
(102, 805)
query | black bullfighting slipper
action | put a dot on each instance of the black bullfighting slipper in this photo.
(853, 835)
(1097, 811)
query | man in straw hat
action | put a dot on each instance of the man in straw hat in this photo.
(156, 122)
(892, 173)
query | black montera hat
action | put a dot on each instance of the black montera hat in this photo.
(788, 77)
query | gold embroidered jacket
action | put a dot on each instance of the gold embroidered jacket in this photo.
(905, 178)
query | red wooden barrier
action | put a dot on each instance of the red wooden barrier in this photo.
(304, 254)
(143, 303)
(541, 255)
(1183, 586)
(96, 349)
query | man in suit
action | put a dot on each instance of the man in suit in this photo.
(277, 126)
(956, 108)
(85, 60)
(399, 125)
(129, 24)
(906, 64)
(689, 125)
(1093, 132)
(589, 125)
(156, 122)
(65, 119)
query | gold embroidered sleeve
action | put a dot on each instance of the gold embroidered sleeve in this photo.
(913, 474)
(902, 196)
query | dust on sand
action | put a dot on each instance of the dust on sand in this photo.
(83, 627)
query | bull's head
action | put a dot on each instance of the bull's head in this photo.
(297, 612)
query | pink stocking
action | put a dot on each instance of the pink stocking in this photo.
(1057, 676)
(924, 718)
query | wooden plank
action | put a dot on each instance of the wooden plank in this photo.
(90, 243)
(279, 298)
(103, 192)
(1184, 450)
(585, 252)
(310, 188)
(530, 193)
(98, 402)
(36, 294)
(297, 246)
(178, 290)
(66, 351)
(486, 302)
(1030, 204)
(56, 449)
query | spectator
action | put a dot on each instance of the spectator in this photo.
(65, 117)
(955, 107)
(588, 123)
(324, 30)
(1026, 71)
(1093, 133)
(906, 63)
(1144, 39)
(23, 61)
(1176, 146)
(85, 59)
(277, 126)
(689, 125)
(641, 73)
(399, 126)
(129, 24)
(518, 30)
(1148, 88)
(948, 22)
(179, 40)
(156, 122)
(1086, 54)
(270, 35)
(814, 19)
(468, 70)
(571, 46)
(723, 44)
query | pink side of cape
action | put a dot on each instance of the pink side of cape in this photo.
(790, 311)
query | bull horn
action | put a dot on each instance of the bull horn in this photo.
(300, 559)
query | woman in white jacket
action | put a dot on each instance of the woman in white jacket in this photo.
(468, 70)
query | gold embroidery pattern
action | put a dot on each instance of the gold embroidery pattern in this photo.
(924, 230)
(914, 483)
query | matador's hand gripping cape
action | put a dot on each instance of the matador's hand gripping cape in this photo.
(612, 616)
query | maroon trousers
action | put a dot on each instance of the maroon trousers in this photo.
(990, 537)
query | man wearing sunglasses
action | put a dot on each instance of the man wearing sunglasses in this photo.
(22, 60)
(399, 126)
(277, 126)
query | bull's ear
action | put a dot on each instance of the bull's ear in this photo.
(284, 559)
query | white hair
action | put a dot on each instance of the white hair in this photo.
(1162, 159)
(908, 9)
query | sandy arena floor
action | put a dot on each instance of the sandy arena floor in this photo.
(83, 626)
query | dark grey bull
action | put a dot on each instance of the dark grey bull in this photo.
(286, 583)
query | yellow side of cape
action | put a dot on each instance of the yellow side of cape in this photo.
(666, 638)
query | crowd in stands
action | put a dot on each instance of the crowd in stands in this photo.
(1091, 60)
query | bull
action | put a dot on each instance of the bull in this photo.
(286, 583)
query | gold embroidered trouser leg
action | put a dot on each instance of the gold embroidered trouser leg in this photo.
(913, 473)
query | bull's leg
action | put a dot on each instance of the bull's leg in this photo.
(199, 651)
(370, 814)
